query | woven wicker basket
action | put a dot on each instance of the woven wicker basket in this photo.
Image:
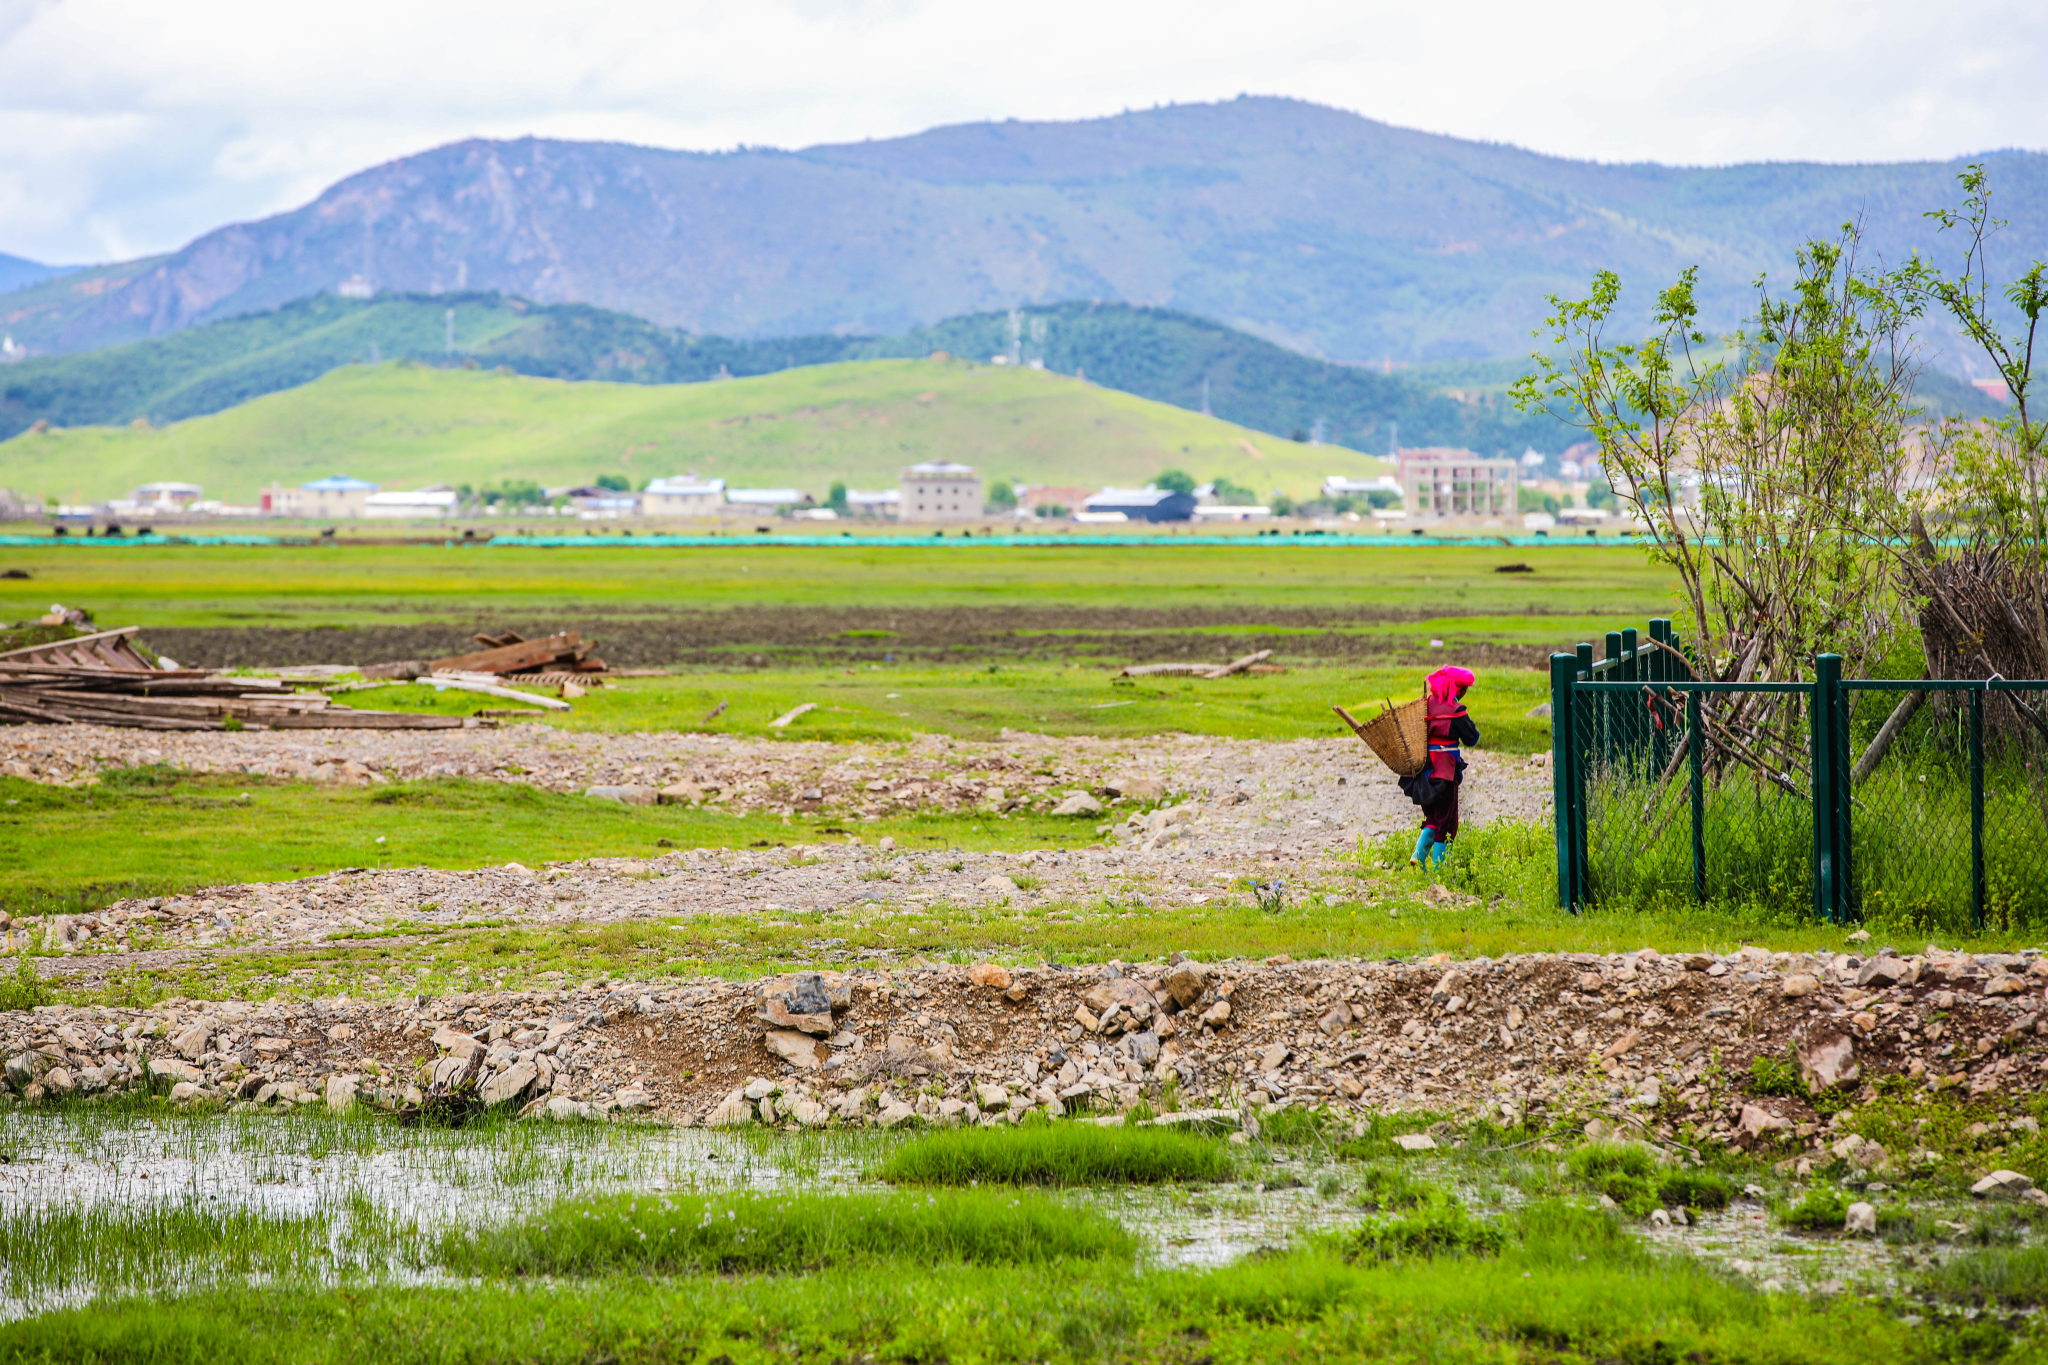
(1398, 734)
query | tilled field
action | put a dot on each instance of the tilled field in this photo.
(1636, 1042)
(759, 637)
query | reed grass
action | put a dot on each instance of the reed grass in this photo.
(1065, 1154)
(758, 1233)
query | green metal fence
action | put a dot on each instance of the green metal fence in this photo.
(1669, 787)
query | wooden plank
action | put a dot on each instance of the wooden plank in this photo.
(1240, 665)
(341, 718)
(29, 653)
(512, 658)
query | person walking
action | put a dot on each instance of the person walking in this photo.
(1449, 728)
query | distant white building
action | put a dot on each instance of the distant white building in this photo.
(1457, 483)
(683, 497)
(939, 490)
(1342, 486)
(1218, 512)
(168, 495)
(335, 496)
(423, 502)
(879, 503)
(356, 287)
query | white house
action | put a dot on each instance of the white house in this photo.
(686, 496)
(1342, 486)
(939, 490)
(334, 496)
(168, 495)
(880, 503)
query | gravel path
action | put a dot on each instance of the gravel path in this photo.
(1229, 808)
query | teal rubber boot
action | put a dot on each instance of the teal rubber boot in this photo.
(1436, 856)
(1422, 846)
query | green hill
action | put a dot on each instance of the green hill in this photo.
(1155, 353)
(405, 425)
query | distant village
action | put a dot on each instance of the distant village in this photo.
(1437, 486)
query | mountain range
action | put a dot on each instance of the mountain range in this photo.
(1328, 233)
(1155, 353)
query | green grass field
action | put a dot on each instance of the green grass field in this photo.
(406, 426)
(346, 585)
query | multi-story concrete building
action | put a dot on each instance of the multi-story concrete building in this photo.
(939, 490)
(1439, 482)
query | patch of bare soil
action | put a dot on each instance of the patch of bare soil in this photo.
(765, 637)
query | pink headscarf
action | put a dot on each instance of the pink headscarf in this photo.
(1448, 683)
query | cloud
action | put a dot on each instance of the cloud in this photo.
(131, 126)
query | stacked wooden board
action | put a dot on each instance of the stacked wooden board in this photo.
(102, 679)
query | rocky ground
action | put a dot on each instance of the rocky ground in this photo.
(1634, 1043)
(1316, 790)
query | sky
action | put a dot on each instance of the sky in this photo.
(131, 126)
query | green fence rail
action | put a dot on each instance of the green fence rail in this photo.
(1668, 787)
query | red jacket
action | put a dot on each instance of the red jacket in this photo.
(1448, 727)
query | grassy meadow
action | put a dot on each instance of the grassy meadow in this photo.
(344, 585)
(408, 426)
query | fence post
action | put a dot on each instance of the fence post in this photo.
(1696, 759)
(1977, 808)
(1823, 717)
(1661, 710)
(1564, 670)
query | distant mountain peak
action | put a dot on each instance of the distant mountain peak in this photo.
(1346, 236)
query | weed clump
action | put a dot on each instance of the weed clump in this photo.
(1822, 1210)
(1630, 1175)
(785, 1233)
(1437, 1229)
(1059, 1155)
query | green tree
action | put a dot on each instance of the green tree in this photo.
(1759, 475)
(1599, 494)
(616, 483)
(1175, 481)
(1231, 494)
(1535, 500)
(1002, 496)
(835, 498)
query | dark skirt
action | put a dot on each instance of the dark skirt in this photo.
(1441, 815)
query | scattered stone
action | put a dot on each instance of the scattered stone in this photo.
(1415, 1142)
(990, 975)
(1862, 1219)
(1757, 1122)
(998, 885)
(2002, 1185)
(625, 796)
(341, 1092)
(1798, 984)
(683, 793)
(800, 1050)
(1078, 803)
(1829, 1062)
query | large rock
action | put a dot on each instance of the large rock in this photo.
(809, 1113)
(456, 1042)
(341, 1092)
(509, 1084)
(1758, 1122)
(1798, 984)
(1862, 1219)
(2002, 1185)
(192, 1042)
(734, 1111)
(22, 1069)
(628, 795)
(800, 1049)
(804, 1001)
(684, 793)
(1882, 972)
(990, 975)
(1078, 803)
(1136, 788)
(1186, 982)
(998, 885)
(1829, 1062)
